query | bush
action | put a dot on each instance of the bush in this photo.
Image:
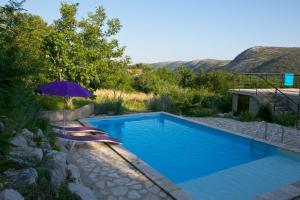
(162, 103)
(245, 117)
(265, 113)
(18, 106)
(285, 119)
(4, 142)
(221, 102)
(201, 112)
(114, 107)
(135, 106)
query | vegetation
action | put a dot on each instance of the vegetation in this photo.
(285, 119)
(265, 113)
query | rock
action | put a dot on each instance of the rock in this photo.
(19, 141)
(73, 173)
(45, 144)
(134, 195)
(25, 155)
(81, 191)
(22, 178)
(2, 126)
(56, 164)
(122, 181)
(39, 133)
(119, 191)
(10, 194)
(28, 135)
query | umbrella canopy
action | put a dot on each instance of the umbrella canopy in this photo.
(64, 89)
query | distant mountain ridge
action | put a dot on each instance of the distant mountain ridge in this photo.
(258, 59)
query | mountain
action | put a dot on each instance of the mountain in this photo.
(196, 65)
(256, 59)
(266, 59)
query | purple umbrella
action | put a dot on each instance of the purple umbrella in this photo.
(64, 89)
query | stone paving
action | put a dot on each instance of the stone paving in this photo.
(110, 177)
(256, 129)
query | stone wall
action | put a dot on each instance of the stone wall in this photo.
(75, 114)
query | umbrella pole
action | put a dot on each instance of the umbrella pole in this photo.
(64, 115)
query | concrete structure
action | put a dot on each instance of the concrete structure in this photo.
(249, 100)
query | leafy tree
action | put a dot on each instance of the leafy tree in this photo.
(84, 51)
(186, 76)
(20, 41)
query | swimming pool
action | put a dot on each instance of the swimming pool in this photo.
(206, 162)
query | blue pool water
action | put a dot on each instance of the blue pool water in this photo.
(206, 162)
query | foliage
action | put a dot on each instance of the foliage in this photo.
(4, 143)
(215, 81)
(18, 107)
(285, 119)
(21, 36)
(135, 106)
(84, 51)
(162, 103)
(219, 102)
(265, 113)
(186, 76)
(110, 107)
(245, 117)
(201, 112)
(44, 191)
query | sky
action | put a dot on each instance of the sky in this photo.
(171, 30)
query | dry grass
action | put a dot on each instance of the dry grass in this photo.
(133, 96)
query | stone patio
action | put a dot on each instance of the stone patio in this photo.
(111, 177)
(291, 139)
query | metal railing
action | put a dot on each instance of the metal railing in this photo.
(265, 83)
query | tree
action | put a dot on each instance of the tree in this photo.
(20, 41)
(186, 76)
(84, 51)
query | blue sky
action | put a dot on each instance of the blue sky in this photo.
(169, 30)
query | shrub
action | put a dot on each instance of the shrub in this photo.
(4, 142)
(135, 106)
(285, 119)
(18, 106)
(245, 117)
(201, 112)
(221, 102)
(114, 107)
(162, 103)
(265, 113)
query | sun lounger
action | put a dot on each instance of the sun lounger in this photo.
(77, 129)
(87, 138)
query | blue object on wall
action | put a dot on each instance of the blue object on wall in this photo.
(288, 79)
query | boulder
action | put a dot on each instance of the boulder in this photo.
(39, 133)
(28, 135)
(56, 163)
(81, 191)
(10, 194)
(73, 173)
(19, 141)
(25, 155)
(22, 178)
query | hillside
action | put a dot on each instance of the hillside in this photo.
(255, 59)
(196, 65)
(266, 59)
